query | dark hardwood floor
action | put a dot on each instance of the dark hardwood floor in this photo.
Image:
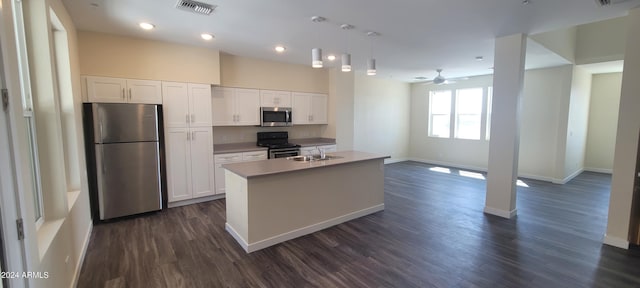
(432, 234)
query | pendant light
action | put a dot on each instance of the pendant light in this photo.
(346, 62)
(371, 67)
(316, 53)
(316, 58)
(371, 63)
(346, 57)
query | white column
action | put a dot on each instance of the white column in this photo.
(624, 161)
(508, 79)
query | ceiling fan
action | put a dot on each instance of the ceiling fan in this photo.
(441, 80)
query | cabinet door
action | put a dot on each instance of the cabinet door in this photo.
(272, 98)
(254, 156)
(200, 105)
(223, 159)
(300, 108)
(222, 106)
(176, 105)
(202, 162)
(247, 107)
(144, 91)
(178, 164)
(318, 109)
(106, 90)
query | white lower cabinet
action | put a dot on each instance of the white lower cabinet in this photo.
(234, 158)
(313, 150)
(190, 170)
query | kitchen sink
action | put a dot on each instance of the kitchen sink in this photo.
(306, 158)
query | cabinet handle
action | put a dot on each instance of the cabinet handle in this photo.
(193, 135)
(188, 134)
(129, 93)
(193, 118)
(123, 97)
(186, 116)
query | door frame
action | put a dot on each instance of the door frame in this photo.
(13, 249)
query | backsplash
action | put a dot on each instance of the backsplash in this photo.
(231, 134)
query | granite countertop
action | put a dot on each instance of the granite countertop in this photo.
(282, 165)
(251, 146)
(305, 142)
(237, 147)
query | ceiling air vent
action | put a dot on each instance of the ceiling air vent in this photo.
(197, 7)
(609, 2)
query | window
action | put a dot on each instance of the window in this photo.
(28, 112)
(468, 121)
(440, 114)
(489, 103)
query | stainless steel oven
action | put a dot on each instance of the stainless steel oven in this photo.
(278, 143)
(283, 152)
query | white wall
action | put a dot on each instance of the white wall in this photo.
(58, 245)
(603, 120)
(544, 120)
(472, 154)
(381, 116)
(561, 41)
(625, 158)
(545, 103)
(577, 124)
(601, 41)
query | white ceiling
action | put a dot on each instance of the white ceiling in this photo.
(417, 36)
(604, 67)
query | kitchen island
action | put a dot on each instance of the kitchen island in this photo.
(272, 201)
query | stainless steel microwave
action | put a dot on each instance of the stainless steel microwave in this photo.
(275, 116)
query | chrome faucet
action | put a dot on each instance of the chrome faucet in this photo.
(322, 154)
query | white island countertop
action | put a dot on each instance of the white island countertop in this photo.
(282, 165)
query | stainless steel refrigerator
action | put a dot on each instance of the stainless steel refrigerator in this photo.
(126, 158)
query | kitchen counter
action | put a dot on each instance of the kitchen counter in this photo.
(272, 201)
(305, 142)
(283, 165)
(237, 147)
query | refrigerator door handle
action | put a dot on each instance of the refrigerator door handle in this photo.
(104, 167)
(123, 96)
(129, 94)
(186, 116)
(193, 135)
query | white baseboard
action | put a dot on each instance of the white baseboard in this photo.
(484, 169)
(449, 164)
(300, 231)
(616, 242)
(395, 160)
(599, 170)
(194, 201)
(501, 213)
(568, 178)
(85, 246)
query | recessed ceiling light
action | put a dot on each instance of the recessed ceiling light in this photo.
(146, 26)
(479, 58)
(318, 19)
(280, 49)
(420, 78)
(331, 57)
(206, 36)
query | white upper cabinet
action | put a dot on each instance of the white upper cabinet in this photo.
(119, 90)
(200, 105)
(272, 98)
(144, 91)
(176, 104)
(186, 104)
(309, 108)
(235, 106)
